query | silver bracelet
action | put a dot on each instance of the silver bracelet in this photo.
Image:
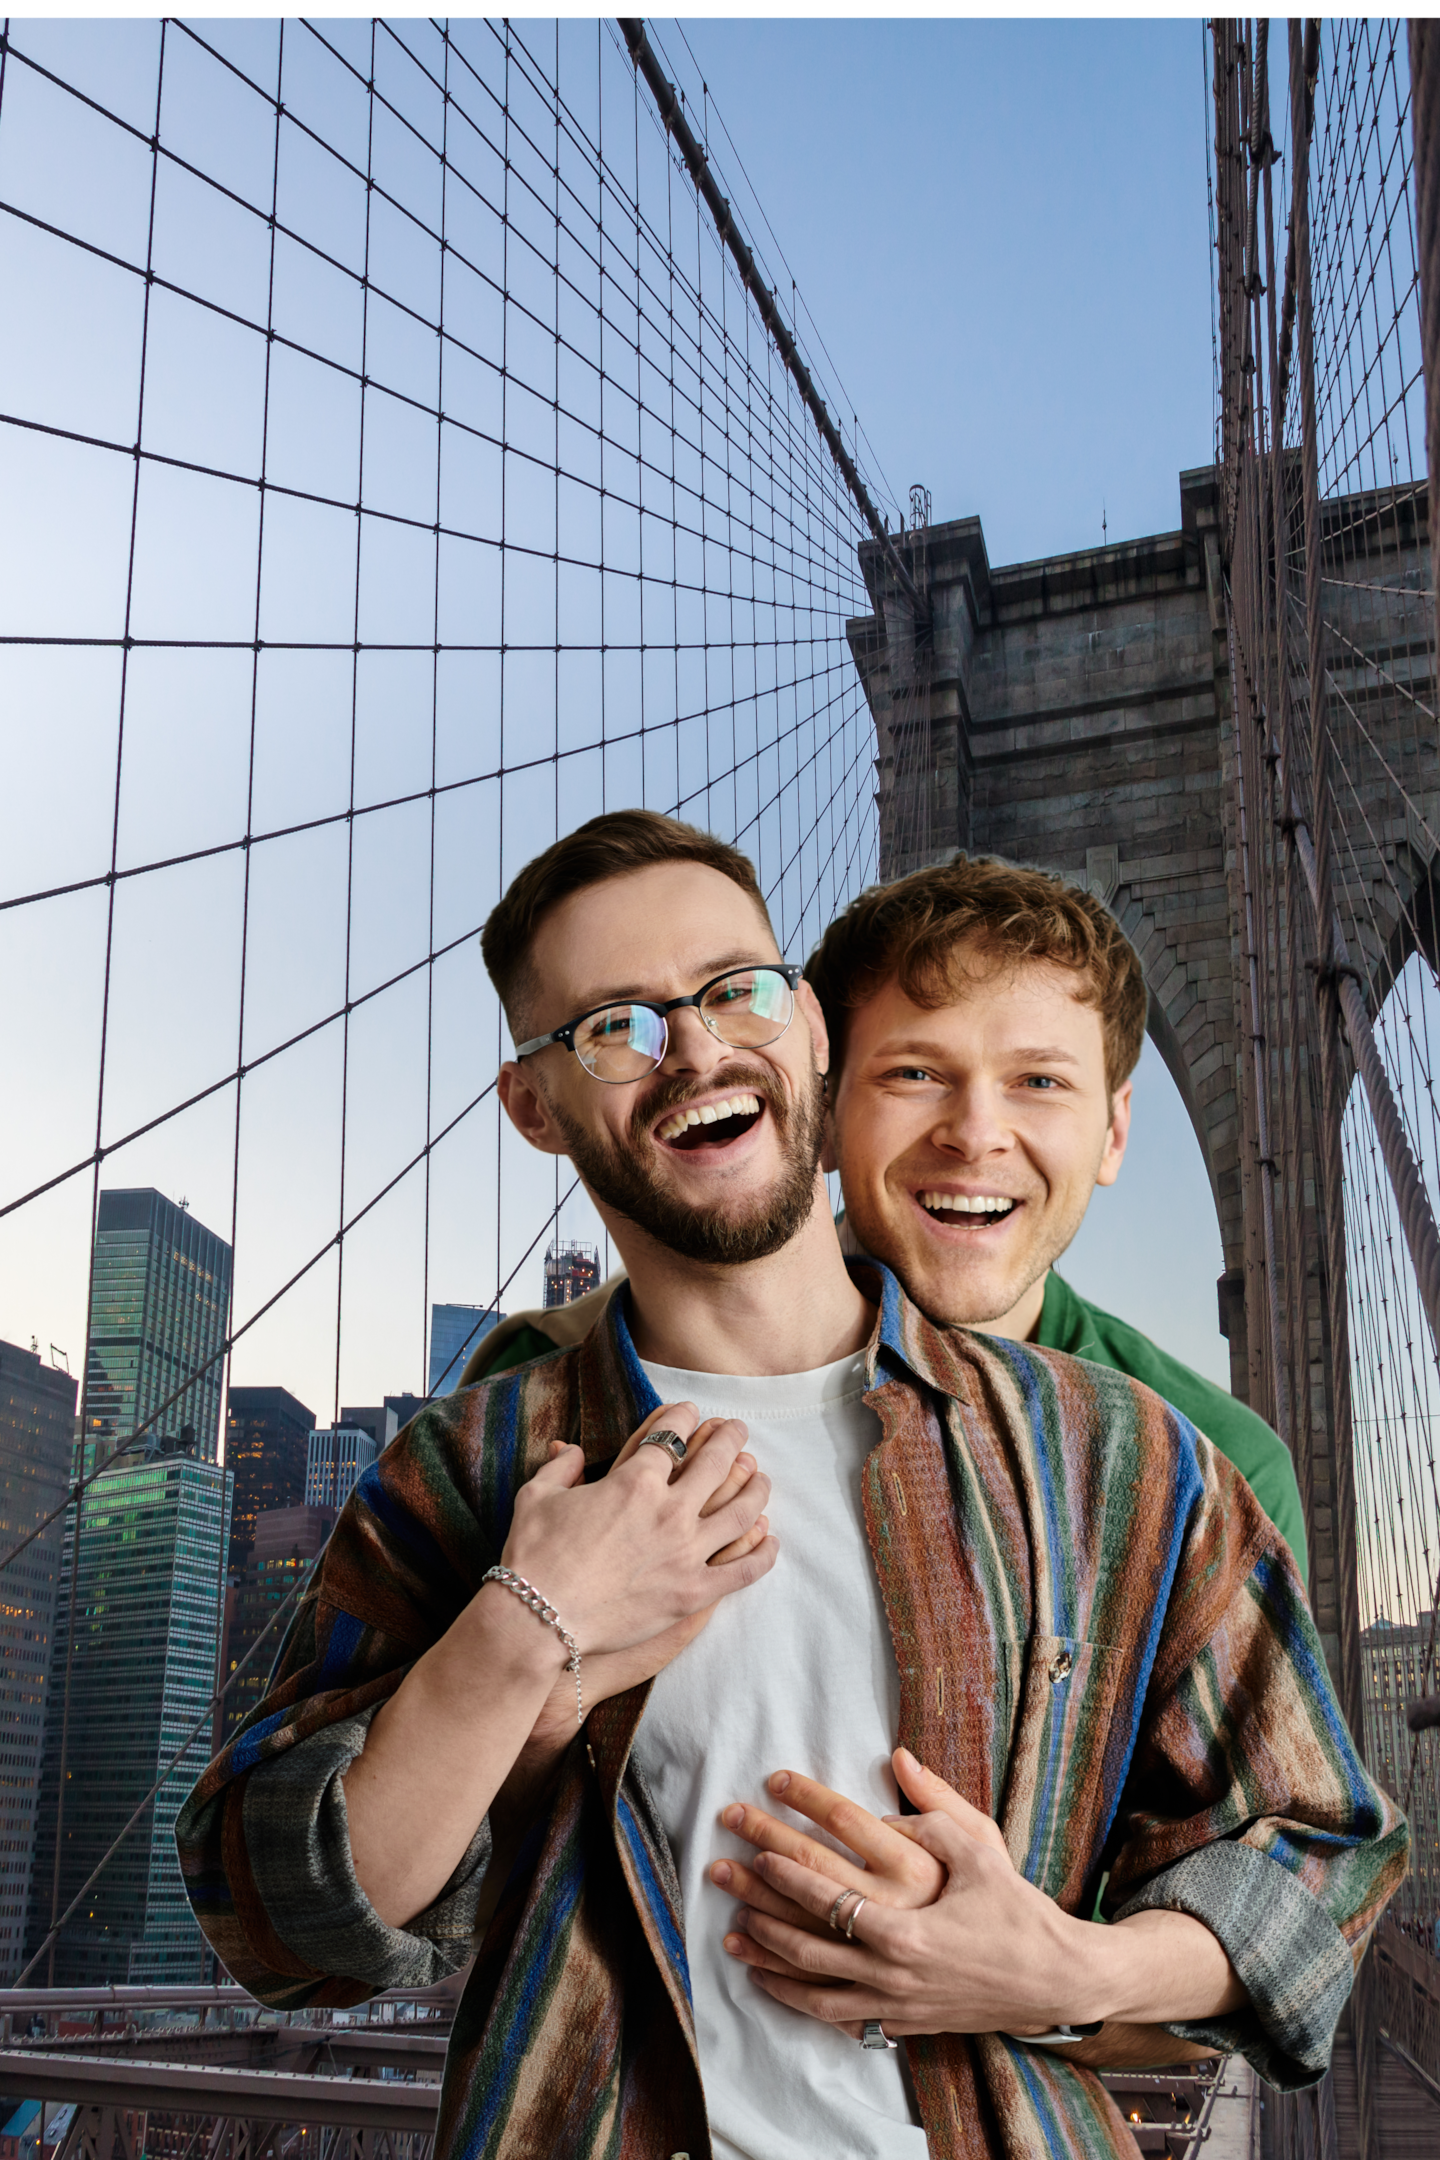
(530, 1597)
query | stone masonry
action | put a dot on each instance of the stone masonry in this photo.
(1079, 717)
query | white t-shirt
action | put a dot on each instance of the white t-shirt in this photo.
(795, 1673)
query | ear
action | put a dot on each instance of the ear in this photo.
(1117, 1136)
(807, 1003)
(528, 1110)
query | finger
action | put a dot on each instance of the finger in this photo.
(933, 1796)
(842, 1819)
(678, 1417)
(718, 1531)
(565, 1467)
(737, 1477)
(848, 2008)
(747, 1541)
(750, 1889)
(958, 1851)
(720, 1580)
(815, 1894)
(745, 1950)
(822, 1957)
(707, 1469)
(763, 1831)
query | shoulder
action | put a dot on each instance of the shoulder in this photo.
(1239, 1433)
(1100, 1426)
(459, 1462)
(537, 1331)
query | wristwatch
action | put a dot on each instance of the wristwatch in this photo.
(1058, 2035)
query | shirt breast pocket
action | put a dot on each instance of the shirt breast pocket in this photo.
(1062, 1698)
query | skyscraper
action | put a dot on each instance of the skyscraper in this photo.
(570, 1270)
(158, 1309)
(339, 1456)
(266, 1438)
(454, 1332)
(152, 1540)
(152, 1535)
(286, 1540)
(37, 1442)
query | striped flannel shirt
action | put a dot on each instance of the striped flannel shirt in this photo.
(1102, 1641)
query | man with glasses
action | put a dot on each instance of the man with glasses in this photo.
(543, 1657)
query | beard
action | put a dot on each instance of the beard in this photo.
(622, 1173)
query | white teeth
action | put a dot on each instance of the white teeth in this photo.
(966, 1203)
(709, 1114)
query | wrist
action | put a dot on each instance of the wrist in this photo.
(1097, 1974)
(497, 1640)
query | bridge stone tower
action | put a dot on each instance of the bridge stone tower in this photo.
(1076, 713)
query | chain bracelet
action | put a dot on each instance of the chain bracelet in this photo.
(530, 1597)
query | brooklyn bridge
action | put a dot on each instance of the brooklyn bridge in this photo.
(459, 467)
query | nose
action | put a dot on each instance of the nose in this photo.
(692, 1048)
(970, 1126)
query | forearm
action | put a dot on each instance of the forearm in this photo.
(438, 1752)
(1153, 1969)
(1134, 2047)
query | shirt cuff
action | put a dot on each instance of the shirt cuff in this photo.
(1292, 1960)
(297, 1838)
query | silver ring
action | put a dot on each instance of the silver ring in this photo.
(850, 1930)
(672, 1443)
(835, 1910)
(873, 2035)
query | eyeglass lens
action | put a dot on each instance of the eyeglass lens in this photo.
(748, 1009)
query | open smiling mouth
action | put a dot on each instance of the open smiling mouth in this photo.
(709, 1125)
(971, 1211)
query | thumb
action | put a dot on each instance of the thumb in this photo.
(945, 1841)
(932, 1795)
(565, 1467)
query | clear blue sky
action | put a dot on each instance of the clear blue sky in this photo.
(1000, 228)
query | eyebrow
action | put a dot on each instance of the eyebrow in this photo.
(1026, 1054)
(720, 965)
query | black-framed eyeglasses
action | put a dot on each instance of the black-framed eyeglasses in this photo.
(745, 1007)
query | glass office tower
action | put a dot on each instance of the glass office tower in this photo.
(267, 1434)
(454, 1332)
(149, 1586)
(152, 1540)
(37, 1442)
(159, 1305)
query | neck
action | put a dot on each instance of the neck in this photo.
(788, 1313)
(1022, 1322)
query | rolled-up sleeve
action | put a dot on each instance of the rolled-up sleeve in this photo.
(263, 1839)
(1248, 1807)
(298, 1839)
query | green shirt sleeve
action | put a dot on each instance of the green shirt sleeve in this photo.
(1070, 1322)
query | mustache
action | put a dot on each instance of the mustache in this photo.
(675, 1093)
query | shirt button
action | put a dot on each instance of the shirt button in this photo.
(1060, 1667)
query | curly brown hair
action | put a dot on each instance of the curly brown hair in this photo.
(942, 928)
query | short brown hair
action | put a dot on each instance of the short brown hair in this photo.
(914, 932)
(603, 847)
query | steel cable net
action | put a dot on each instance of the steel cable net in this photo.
(1332, 621)
(397, 474)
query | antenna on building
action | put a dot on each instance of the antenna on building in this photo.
(182, 1203)
(1104, 523)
